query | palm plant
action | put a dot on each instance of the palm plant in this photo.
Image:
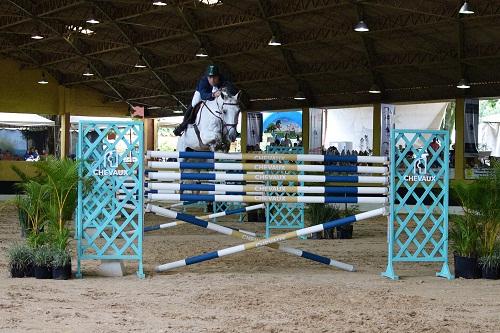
(481, 203)
(464, 234)
(62, 181)
(33, 205)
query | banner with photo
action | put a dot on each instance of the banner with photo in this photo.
(388, 122)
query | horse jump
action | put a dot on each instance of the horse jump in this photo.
(159, 191)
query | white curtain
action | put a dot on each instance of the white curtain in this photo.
(489, 136)
(351, 126)
(426, 116)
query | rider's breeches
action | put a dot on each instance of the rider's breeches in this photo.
(197, 97)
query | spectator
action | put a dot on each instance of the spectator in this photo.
(434, 145)
(286, 142)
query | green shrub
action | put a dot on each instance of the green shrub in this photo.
(43, 255)
(60, 257)
(480, 200)
(464, 235)
(18, 256)
(318, 213)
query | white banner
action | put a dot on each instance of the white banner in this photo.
(254, 128)
(388, 113)
(315, 131)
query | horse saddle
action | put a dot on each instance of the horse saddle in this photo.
(191, 117)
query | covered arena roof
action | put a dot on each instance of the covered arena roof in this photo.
(415, 50)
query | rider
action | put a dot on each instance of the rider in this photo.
(208, 88)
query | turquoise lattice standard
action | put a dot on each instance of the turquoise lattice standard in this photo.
(419, 178)
(284, 215)
(110, 212)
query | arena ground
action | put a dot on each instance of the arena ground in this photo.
(256, 291)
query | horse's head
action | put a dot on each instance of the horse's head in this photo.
(231, 111)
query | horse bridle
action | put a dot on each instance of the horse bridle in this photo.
(217, 114)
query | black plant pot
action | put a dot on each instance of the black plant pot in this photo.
(29, 271)
(345, 231)
(467, 267)
(62, 273)
(315, 235)
(328, 234)
(17, 272)
(43, 272)
(492, 273)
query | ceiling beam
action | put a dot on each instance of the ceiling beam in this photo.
(371, 57)
(141, 56)
(75, 48)
(288, 58)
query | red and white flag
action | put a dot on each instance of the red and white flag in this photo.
(138, 111)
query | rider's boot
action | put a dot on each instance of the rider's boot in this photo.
(182, 127)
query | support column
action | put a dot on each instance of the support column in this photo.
(65, 113)
(149, 133)
(244, 134)
(305, 130)
(155, 133)
(377, 128)
(459, 137)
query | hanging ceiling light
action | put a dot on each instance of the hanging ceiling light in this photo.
(361, 27)
(201, 52)
(88, 72)
(91, 18)
(36, 36)
(274, 41)
(463, 84)
(374, 89)
(211, 2)
(466, 9)
(299, 96)
(159, 3)
(140, 63)
(43, 79)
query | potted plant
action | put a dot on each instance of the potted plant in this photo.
(490, 267)
(62, 184)
(464, 236)
(320, 213)
(345, 231)
(481, 222)
(43, 262)
(61, 264)
(32, 202)
(17, 260)
(29, 268)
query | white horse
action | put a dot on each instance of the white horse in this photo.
(214, 127)
(215, 123)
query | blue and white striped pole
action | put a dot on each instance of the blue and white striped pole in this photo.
(265, 198)
(165, 213)
(230, 232)
(269, 157)
(267, 167)
(264, 242)
(173, 176)
(265, 188)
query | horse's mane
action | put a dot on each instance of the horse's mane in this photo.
(229, 89)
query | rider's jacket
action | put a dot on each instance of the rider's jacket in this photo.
(205, 89)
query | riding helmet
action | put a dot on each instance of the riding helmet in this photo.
(212, 70)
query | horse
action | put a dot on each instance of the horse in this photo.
(215, 123)
(214, 128)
